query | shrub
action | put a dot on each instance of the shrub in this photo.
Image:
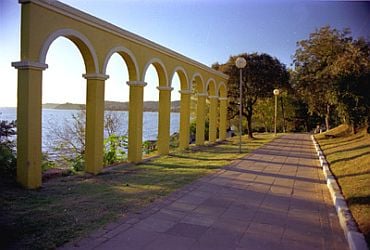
(149, 146)
(193, 129)
(8, 159)
(114, 149)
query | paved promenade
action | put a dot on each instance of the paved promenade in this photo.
(274, 198)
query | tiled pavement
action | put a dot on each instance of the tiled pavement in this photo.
(274, 198)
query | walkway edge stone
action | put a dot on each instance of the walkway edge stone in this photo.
(355, 238)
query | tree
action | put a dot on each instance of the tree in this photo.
(8, 158)
(328, 67)
(261, 76)
(67, 140)
(352, 71)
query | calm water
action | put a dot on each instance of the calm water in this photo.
(55, 116)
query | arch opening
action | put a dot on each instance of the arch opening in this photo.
(197, 87)
(212, 111)
(182, 78)
(197, 84)
(177, 83)
(128, 57)
(151, 105)
(116, 96)
(211, 87)
(63, 88)
(160, 70)
(222, 92)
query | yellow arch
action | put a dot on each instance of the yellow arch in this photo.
(184, 80)
(211, 87)
(198, 80)
(128, 57)
(222, 91)
(83, 44)
(161, 71)
(42, 22)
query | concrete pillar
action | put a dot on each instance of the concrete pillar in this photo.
(213, 118)
(201, 106)
(29, 123)
(135, 121)
(223, 118)
(184, 118)
(164, 118)
(94, 140)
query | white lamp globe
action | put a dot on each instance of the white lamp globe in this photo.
(276, 91)
(240, 62)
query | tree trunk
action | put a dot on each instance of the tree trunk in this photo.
(354, 128)
(327, 117)
(249, 126)
(283, 112)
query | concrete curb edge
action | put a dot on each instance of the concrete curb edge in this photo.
(355, 238)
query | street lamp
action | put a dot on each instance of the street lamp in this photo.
(276, 93)
(240, 63)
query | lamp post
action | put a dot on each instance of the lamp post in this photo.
(240, 63)
(276, 93)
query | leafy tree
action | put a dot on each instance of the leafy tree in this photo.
(330, 68)
(8, 160)
(352, 71)
(261, 76)
(264, 115)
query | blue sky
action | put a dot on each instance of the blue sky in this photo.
(205, 30)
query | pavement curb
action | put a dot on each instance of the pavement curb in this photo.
(355, 238)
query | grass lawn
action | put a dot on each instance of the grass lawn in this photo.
(73, 206)
(349, 158)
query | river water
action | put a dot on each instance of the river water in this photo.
(56, 116)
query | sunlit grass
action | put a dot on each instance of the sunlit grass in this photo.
(349, 158)
(73, 206)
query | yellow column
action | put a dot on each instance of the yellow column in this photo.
(94, 140)
(223, 117)
(164, 118)
(29, 123)
(213, 119)
(135, 121)
(184, 119)
(201, 105)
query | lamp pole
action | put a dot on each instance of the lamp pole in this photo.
(276, 93)
(240, 63)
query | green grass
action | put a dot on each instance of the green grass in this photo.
(69, 207)
(349, 158)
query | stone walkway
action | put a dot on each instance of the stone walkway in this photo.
(274, 198)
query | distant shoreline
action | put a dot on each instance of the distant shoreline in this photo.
(149, 106)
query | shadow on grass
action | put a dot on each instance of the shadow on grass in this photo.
(339, 143)
(362, 200)
(350, 158)
(334, 141)
(367, 146)
(354, 174)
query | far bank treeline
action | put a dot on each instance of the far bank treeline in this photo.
(149, 106)
(328, 84)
